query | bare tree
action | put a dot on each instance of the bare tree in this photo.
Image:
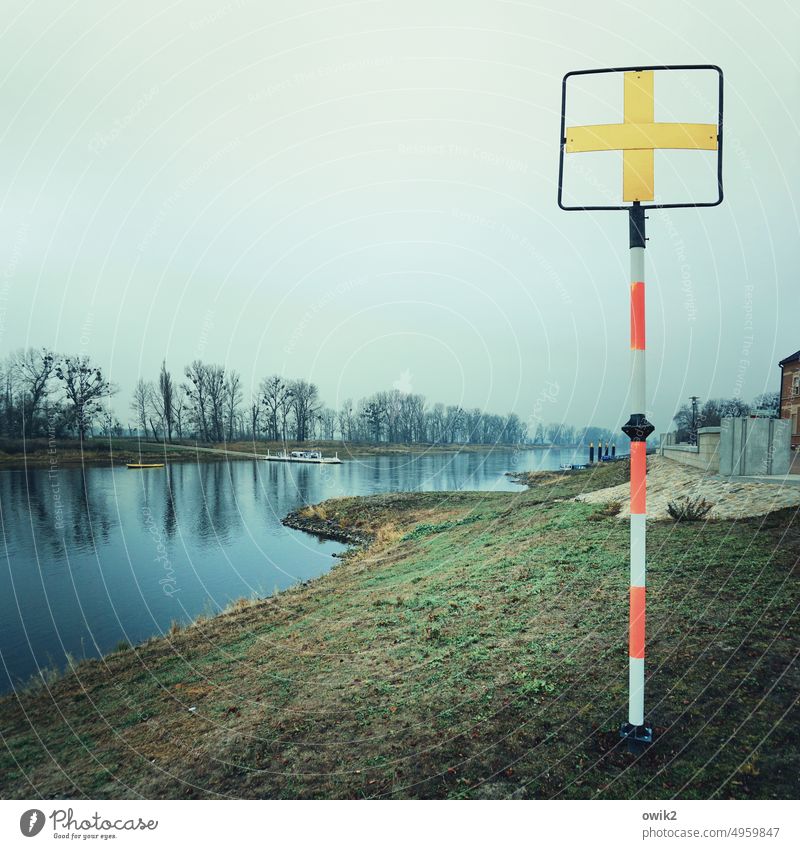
(373, 414)
(34, 370)
(472, 425)
(179, 408)
(391, 403)
(9, 410)
(276, 395)
(232, 399)
(84, 387)
(436, 423)
(453, 419)
(515, 431)
(683, 423)
(196, 390)
(110, 425)
(346, 420)
(305, 405)
(254, 411)
(216, 399)
(140, 403)
(327, 418)
(165, 400)
(768, 401)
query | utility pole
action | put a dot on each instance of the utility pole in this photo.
(693, 431)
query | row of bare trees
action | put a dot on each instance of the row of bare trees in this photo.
(44, 393)
(406, 417)
(47, 394)
(209, 405)
(711, 412)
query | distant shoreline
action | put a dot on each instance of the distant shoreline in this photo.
(18, 454)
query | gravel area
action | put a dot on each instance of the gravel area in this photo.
(733, 498)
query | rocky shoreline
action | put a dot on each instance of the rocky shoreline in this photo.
(299, 520)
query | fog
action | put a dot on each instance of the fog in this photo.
(363, 195)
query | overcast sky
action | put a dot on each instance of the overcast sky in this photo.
(363, 194)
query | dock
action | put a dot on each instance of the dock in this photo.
(302, 457)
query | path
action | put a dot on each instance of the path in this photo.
(733, 498)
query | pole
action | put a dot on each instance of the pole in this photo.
(693, 434)
(637, 428)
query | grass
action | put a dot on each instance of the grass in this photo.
(477, 648)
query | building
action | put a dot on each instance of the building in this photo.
(790, 394)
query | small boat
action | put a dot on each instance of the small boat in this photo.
(145, 465)
(311, 456)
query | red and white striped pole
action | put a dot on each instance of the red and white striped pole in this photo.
(637, 428)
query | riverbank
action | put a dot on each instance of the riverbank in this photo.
(472, 645)
(44, 453)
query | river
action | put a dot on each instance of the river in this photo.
(97, 556)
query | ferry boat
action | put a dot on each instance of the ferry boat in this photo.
(309, 456)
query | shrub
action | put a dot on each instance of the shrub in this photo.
(608, 510)
(689, 509)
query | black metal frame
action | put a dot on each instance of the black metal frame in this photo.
(563, 139)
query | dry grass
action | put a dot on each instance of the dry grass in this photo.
(606, 511)
(689, 509)
(315, 511)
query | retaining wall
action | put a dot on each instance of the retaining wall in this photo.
(704, 455)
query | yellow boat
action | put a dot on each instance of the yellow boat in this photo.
(145, 465)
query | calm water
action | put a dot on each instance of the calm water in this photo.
(95, 556)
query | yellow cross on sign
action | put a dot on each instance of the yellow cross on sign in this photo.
(639, 136)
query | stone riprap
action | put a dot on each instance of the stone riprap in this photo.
(733, 498)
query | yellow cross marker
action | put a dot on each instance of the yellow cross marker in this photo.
(638, 136)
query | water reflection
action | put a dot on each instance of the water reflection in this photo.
(95, 556)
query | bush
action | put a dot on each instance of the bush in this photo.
(606, 511)
(689, 509)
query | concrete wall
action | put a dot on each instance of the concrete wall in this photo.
(755, 446)
(704, 455)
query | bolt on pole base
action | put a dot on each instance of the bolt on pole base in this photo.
(639, 737)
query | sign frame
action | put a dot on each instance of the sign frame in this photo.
(621, 70)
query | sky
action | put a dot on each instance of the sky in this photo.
(363, 194)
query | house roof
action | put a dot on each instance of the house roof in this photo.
(790, 359)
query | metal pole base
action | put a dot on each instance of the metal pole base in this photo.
(639, 737)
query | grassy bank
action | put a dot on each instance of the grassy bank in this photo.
(474, 646)
(43, 453)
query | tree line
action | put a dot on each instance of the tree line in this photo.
(44, 393)
(48, 394)
(711, 412)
